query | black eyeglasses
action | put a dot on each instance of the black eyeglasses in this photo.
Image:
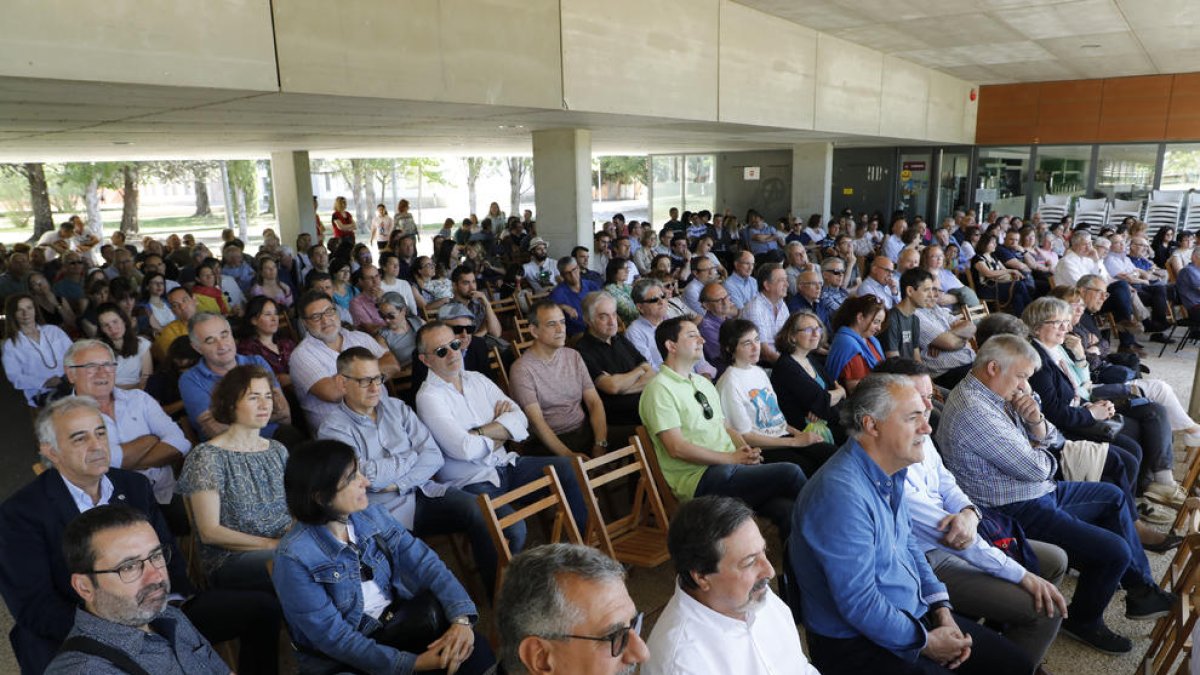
(132, 570)
(442, 351)
(461, 330)
(618, 640)
(365, 382)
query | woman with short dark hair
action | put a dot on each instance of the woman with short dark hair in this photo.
(357, 589)
(234, 484)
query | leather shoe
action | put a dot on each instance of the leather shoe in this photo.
(1169, 543)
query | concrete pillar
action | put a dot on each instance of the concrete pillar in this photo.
(562, 180)
(812, 180)
(292, 183)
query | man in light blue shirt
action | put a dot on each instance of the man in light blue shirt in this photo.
(398, 455)
(871, 603)
(741, 284)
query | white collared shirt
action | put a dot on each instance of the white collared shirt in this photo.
(83, 501)
(691, 638)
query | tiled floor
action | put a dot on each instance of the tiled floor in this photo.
(652, 588)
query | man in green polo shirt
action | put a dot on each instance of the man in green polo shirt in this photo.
(699, 453)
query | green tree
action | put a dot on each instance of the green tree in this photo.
(34, 174)
(243, 182)
(88, 178)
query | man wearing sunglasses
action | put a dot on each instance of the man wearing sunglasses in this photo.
(723, 617)
(700, 453)
(566, 610)
(36, 579)
(471, 420)
(118, 566)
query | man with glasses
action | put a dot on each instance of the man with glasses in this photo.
(467, 294)
(881, 282)
(1097, 347)
(142, 437)
(741, 284)
(363, 308)
(472, 420)
(34, 576)
(833, 290)
(553, 387)
(704, 271)
(212, 338)
(118, 567)
(313, 363)
(723, 617)
(1150, 287)
(566, 611)
(569, 293)
(699, 452)
(718, 306)
(183, 306)
(809, 287)
(400, 458)
(797, 263)
(1080, 261)
(651, 300)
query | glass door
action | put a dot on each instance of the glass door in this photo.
(913, 187)
(954, 172)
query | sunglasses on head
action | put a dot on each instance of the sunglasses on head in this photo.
(442, 351)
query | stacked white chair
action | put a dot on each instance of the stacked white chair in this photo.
(1121, 209)
(1164, 208)
(1091, 212)
(1053, 207)
(1191, 220)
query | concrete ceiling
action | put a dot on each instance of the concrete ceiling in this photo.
(996, 41)
(81, 121)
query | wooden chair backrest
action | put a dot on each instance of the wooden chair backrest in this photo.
(639, 538)
(669, 500)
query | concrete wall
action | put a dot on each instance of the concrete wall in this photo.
(770, 195)
(224, 44)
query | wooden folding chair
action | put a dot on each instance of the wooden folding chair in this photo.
(1171, 638)
(564, 523)
(1183, 565)
(669, 500)
(401, 386)
(975, 313)
(499, 374)
(522, 328)
(508, 313)
(639, 538)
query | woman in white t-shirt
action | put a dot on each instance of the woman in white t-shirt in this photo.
(752, 408)
(390, 282)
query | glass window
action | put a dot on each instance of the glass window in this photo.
(952, 184)
(701, 184)
(1000, 181)
(1181, 167)
(1126, 171)
(1061, 170)
(667, 187)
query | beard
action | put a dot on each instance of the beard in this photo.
(137, 612)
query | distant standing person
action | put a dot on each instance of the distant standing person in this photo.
(343, 220)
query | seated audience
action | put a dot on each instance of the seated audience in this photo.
(767, 309)
(569, 292)
(207, 290)
(704, 272)
(487, 324)
(951, 290)
(234, 484)
(854, 350)
(32, 352)
(539, 273)
(124, 605)
(944, 341)
(183, 307)
(263, 338)
(1187, 284)
(723, 616)
(870, 601)
(902, 335)
(1082, 260)
(1017, 595)
(551, 384)
(553, 595)
(471, 420)
(881, 282)
(363, 307)
(34, 575)
(752, 408)
(618, 285)
(996, 441)
(267, 283)
(134, 365)
(313, 365)
(699, 452)
(375, 619)
(619, 371)
(650, 297)
(399, 330)
(807, 399)
(56, 311)
(741, 284)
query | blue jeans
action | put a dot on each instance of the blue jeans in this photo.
(769, 489)
(528, 469)
(458, 511)
(1091, 522)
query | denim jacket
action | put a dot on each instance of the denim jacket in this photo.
(320, 589)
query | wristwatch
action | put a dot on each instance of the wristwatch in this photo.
(463, 620)
(602, 444)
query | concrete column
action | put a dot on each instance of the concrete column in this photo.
(292, 183)
(812, 180)
(562, 180)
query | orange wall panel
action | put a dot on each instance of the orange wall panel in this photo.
(1123, 109)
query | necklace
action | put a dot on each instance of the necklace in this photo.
(53, 365)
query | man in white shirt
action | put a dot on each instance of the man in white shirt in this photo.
(723, 617)
(1148, 286)
(894, 244)
(650, 297)
(472, 420)
(983, 581)
(881, 283)
(704, 271)
(1079, 261)
(767, 309)
(541, 272)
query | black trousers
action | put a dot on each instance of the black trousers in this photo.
(252, 616)
(991, 654)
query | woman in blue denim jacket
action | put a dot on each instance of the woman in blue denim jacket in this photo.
(345, 567)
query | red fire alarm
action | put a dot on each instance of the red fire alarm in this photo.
(974, 95)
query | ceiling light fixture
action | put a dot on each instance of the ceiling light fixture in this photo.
(1090, 46)
(122, 142)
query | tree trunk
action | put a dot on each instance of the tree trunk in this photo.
(516, 174)
(356, 186)
(239, 198)
(39, 198)
(474, 167)
(129, 206)
(202, 206)
(369, 183)
(91, 195)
